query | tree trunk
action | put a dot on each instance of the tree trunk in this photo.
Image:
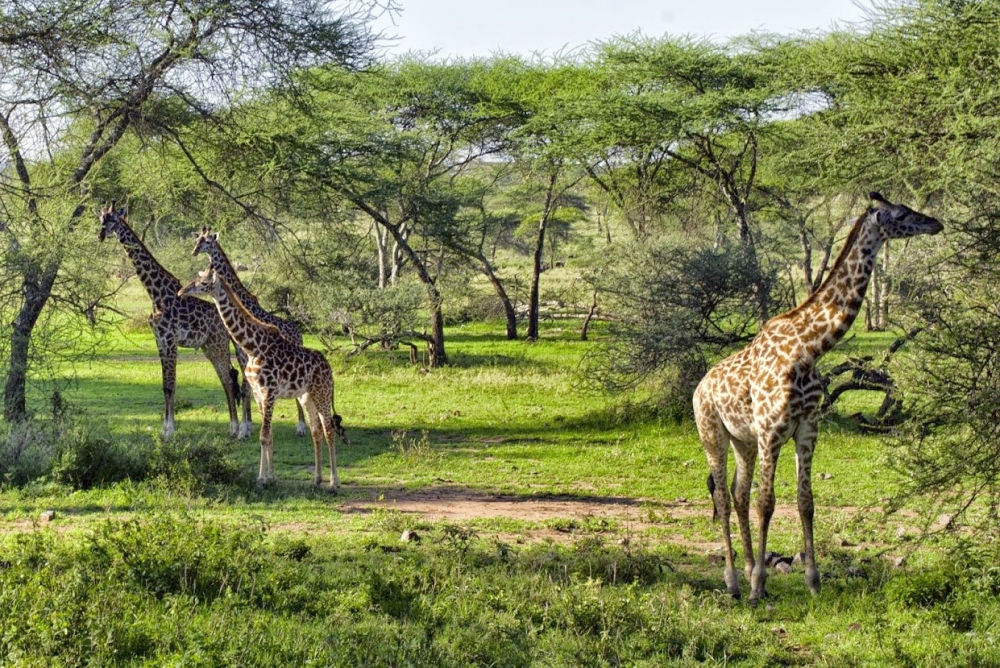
(807, 268)
(381, 240)
(590, 316)
(508, 307)
(435, 346)
(536, 272)
(36, 294)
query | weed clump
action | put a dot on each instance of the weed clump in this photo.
(83, 458)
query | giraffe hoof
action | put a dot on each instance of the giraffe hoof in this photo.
(301, 430)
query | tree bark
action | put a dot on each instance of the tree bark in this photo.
(590, 316)
(536, 272)
(36, 295)
(508, 307)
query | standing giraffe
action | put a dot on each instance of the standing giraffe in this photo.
(759, 397)
(177, 321)
(208, 242)
(277, 369)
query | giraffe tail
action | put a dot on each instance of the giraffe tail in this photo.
(339, 428)
(711, 495)
(235, 376)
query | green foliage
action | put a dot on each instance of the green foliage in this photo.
(78, 456)
(86, 461)
(680, 310)
(26, 452)
(155, 589)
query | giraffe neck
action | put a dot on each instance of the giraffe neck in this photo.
(829, 312)
(247, 331)
(160, 284)
(222, 265)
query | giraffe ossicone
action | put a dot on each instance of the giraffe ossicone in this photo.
(758, 398)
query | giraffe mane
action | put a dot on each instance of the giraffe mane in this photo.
(852, 238)
(244, 311)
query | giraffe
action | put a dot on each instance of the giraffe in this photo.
(768, 392)
(208, 242)
(277, 369)
(176, 321)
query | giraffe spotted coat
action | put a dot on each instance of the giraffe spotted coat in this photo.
(277, 368)
(208, 242)
(757, 399)
(177, 322)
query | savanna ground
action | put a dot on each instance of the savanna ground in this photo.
(556, 526)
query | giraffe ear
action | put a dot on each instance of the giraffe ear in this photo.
(123, 212)
(214, 236)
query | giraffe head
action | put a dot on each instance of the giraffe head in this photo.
(205, 241)
(206, 283)
(898, 221)
(112, 221)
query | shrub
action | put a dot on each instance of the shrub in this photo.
(26, 452)
(84, 461)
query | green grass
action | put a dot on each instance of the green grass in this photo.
(180, 568)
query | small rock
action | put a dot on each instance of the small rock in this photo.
(899, 562)
(686, 464)
(410, 536)
(901, 532)
(624, 541)
(854, 626)
(770, 607)
(826, 476)
(944, 520)
(47, 516)
(782, 567)
(831, 637)
(680, 499)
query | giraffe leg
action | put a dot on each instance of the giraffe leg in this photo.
(805, 441)
(300, 429)
(330, 430)
(167, 348)
(746, 459)
(316, 429)
(219, 357)
(246, 424)
(716, 442)
(265, 403)
(770, 446)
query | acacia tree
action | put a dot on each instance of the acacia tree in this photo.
(76, 77)
(714, 104)
(393, 144)
(544, 148)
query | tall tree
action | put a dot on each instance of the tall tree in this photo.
(75, 77)
(714, 103)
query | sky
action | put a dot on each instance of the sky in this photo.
(468, 28)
